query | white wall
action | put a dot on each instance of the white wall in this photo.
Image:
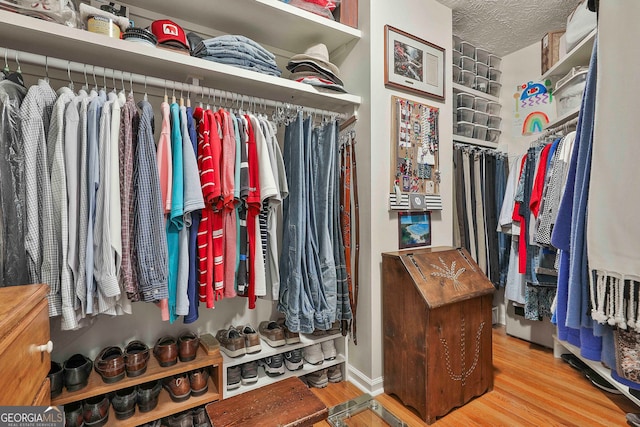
(431, 21)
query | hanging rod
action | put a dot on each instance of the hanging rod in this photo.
(88, 69)
(562, 127)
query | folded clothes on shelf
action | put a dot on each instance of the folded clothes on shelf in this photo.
(238, 51)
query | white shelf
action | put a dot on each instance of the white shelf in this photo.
(474, 141)
(267, 350)
(273, 22)
(55, 40)
(601, 370)
(564, 118)
(264, 379)
(461, 88)
(579, 55)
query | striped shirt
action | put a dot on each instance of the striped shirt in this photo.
(150, 238)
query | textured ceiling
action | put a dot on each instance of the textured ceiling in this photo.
(504, 26)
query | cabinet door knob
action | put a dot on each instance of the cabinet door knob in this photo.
(48, 347)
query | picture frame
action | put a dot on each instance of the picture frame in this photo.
(414, 229)
(413, 64)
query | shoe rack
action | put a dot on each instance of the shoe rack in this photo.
(154, 372)
(267, 350)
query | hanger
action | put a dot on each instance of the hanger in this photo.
(104, 79)
(17, 76)
(6, 70)
(69, 75)
(113, 78)
(181, 97)
(86, 83)
(166, 99)
(46, 69)
(201, 97)
(173, 97)
(189, 96)
(209, 100)
(145, 97)
(95, 82)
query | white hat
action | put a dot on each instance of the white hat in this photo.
(318, 55)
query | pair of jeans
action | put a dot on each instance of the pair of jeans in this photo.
(232, 41)
(234, 50)
(245, 64)
(242, 58)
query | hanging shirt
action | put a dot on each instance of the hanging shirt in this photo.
(218, 225)
(55, 149)
(205, 229)
(253, 209)
(175, 222)
(242, 275)
(192, 289)
(228, 161)
(149, 224)
(163, 155)
(128, 136)
(40, 246)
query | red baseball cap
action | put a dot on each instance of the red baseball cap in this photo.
(169, 33)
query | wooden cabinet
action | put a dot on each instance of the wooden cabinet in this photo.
(154, 371)
(437, 329)
(24, 356)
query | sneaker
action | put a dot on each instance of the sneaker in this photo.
(233, 377)
(272, 333)
(273, 365)
(334, 374)
(318, 379)
(251, 339)
(249, 372)
(328, 350)
(313, 354)
(289, 337)
(231, 342)
(293, 359)
(600, 382)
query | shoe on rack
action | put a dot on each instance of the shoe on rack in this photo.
(55, 379)
(148, 395)
(575, 362)
(249, 372)
(181, 419)
(633, 419)
(328, 350)
(293, 359)
(600, 382)
(136, 358)
(178, 387)
(200, 417)
(234, 377)
(96, 411)
(75, 372)
(273, 365)
(231, 342)
(272, 333)
(334, 374)
(124, 402)
(199, 381)
(289, 337)
(166, 351)
(188, 344)
(110, 364)
(73, 416)
(313, 354)
(251, 339)
(318, 379)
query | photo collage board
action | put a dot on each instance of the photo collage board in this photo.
(414, 143)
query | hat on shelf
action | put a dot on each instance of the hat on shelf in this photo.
(141, 35)
(315, 79)
(169, 34)
(315, 58)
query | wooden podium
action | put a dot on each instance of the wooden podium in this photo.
(437, 329)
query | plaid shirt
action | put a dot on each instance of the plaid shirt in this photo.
(40, 242)
(150, 238)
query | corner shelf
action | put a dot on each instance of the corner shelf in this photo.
(564, 118)
(579, 55)
(72, 44)
(597, 366)
(474, 141)
(296, 29)
(461, 88)
(154, 371)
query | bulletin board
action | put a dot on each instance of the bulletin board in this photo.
(415, 174)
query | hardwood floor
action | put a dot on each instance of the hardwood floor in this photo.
(531, 388)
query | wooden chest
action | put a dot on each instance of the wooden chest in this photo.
(437, 329)
(24, 358)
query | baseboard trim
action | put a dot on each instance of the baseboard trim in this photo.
(372, 386)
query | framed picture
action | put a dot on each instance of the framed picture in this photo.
(413, 64)
(414, 229)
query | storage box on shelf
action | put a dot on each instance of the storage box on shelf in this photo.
(267, 351)
(96, 386)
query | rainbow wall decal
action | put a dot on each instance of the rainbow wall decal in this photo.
(534, 123)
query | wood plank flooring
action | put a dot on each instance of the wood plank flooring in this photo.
(531, 388)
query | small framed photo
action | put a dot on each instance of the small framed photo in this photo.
(414, 229)
(413, 64)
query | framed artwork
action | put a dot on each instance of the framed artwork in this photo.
(413, 64)
(414, 229)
